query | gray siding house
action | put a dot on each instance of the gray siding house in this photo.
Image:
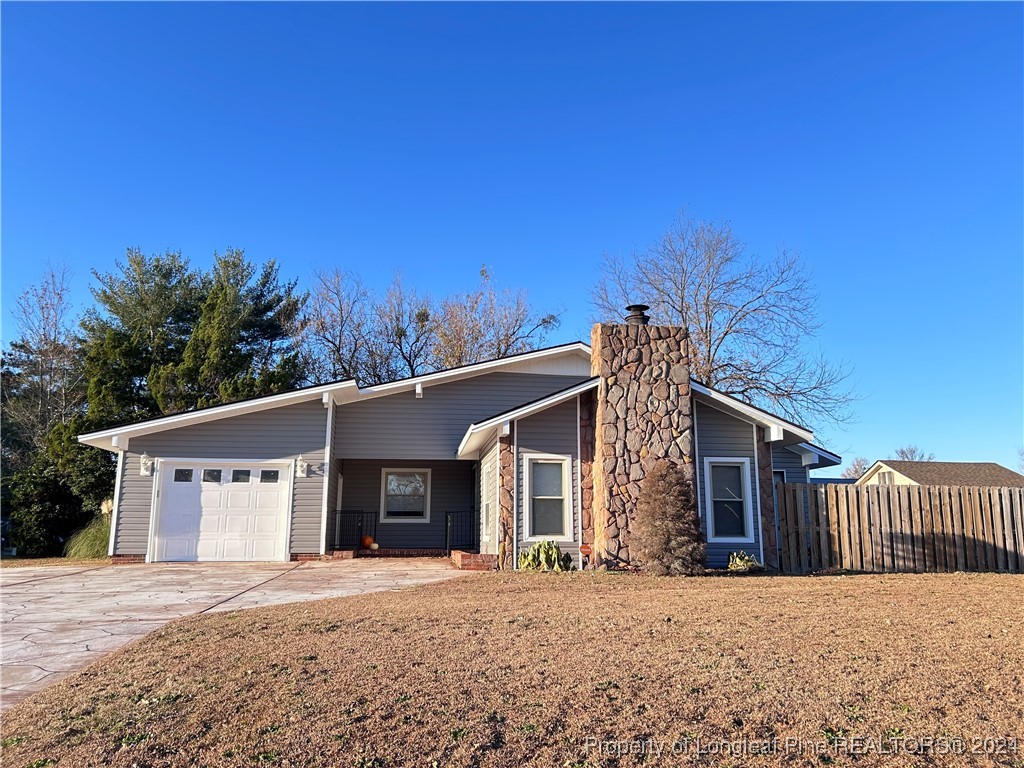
(490, 457)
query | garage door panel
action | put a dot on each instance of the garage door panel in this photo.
(235, 519)
(239, 500)
(237, 524)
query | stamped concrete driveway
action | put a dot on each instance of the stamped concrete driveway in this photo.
(58, 619)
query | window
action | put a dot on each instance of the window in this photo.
(405, 495)
(240, 475)
(547, 485)
(486, 501)
(727, 483)
(183, 475)
(212, 475)
(269, 475)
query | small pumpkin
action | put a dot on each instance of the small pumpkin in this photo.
(366, 542)
(374, 546)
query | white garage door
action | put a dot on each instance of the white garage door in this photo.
(210, 511)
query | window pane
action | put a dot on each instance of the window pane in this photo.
(548, 519)
(726, 481)
(212, 475)
(405, 505)
(547, 478)
(239, 475)
(183, 475)
(729, 519)
(406, 484)
(268, 476)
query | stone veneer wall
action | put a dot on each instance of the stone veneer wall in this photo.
(767, 499)
(643, 415)
(587, 408)
(506, 498)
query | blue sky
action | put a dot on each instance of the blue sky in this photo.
(885, 143)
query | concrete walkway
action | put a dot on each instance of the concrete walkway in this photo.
(58, 619)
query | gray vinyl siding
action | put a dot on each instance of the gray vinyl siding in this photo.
(783, 459)
(452, 489)
(489, 494)
(553, 431)
(720, 435)
(402, 426)
(278, 433)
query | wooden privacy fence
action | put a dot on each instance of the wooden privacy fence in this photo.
(900, 528)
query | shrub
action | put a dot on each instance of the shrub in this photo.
(665, 535)
(43, 511)
(91, 542)
(742, 562)
(545, 556)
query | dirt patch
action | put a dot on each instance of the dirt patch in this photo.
(39, 562)
(551, 670)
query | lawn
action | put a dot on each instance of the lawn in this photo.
(560, 671)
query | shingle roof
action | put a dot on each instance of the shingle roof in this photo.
(957, 473)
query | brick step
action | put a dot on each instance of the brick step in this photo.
(347, 554)
(473, 561)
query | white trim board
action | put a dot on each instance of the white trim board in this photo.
(529, 457)
(709, 508)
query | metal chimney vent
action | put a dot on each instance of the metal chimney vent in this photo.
(636, 314)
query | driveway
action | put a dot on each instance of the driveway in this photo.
(58, 619)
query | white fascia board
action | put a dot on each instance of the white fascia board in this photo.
(477, 433)
(814, 457)
(117, 437)
(750, 413)
(427, 379)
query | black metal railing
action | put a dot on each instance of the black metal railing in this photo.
(461, 530)
(350, 525)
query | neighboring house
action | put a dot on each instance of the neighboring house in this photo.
(983, 473)
(496, 455)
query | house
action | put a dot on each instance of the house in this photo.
(977, 473)
(550, 444)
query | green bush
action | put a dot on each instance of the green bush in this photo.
(665, 535)
(91, 542)
(43, 510)
(742, 562)
(545, 556)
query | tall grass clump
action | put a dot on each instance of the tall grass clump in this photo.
(90, 542)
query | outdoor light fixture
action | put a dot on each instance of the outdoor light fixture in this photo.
(145, 465)
(301, 467)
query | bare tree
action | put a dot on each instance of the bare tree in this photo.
(487, 324)
(404, 334)
(335, 343)
(751, 320)
(858, 466)
(913, 453)
(1020, 460)
(44, 369)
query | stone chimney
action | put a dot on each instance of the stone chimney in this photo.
(642, 416)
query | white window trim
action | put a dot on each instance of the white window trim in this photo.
(709, 507)
(486, 500)
(384, 500)
(567, 497)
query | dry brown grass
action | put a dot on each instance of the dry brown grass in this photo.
(503, 671)
(37, 562)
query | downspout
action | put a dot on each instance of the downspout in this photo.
(757, 486)
(515, 495)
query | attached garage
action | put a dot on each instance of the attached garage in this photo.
(211, 510)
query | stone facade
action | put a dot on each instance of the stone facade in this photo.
(643, 414)
(767, 501)
(506, 498)
(587, 414)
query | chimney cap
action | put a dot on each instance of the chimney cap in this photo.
(637, 314)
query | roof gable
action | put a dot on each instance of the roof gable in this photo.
(971, 473)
